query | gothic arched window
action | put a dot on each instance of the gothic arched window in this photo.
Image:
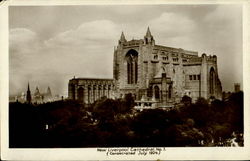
(150, 92)
(80, 94)
(157, 92)
(89, 93)
(99, 91)
(132, 66)
(170, 91)
(72, 90)
(94, 93)
(212, 81)
(129, 69)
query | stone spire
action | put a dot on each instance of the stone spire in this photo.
(37, 93)
(148, 34)
(38, 97)
(28, 87)
(28, 95)
(148, 38)
(122, 38)
(49, 94)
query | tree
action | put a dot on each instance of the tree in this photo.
(186, 100)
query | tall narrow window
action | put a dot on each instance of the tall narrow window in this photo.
(190, 77)
(150, 92)
(94, 88)
(132, 73)
(212, 81)
(170, 91)
(72, 91)
(89, 94)
(199, 77)
(157, 92)
(132, 66)
(99, 91)
(116, 71)
(136, 71)
(129, 71)
(80, 94)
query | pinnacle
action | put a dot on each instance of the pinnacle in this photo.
(122, 37)
(148, 34)
(28, 86)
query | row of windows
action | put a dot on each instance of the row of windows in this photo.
(166, 58)
(157, 92)
(174, 54)
(167, 52)
(195, 77)
(176, 59)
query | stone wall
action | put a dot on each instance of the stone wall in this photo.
(89, 90)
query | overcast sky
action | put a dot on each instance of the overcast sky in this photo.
(51, 44)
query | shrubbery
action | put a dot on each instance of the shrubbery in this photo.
(109, 123)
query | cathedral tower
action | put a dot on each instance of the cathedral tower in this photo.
(156, 75)
(49, 94)
(148, 38)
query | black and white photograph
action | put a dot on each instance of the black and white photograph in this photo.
(122, 78)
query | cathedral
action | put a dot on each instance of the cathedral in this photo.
(37, 97)
(156, 75)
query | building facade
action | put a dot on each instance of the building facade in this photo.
(88, 90)
(156, 75)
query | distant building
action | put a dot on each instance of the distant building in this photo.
(156, 75)
(47, 97)
(37, 97)
(49, 94)
(226, 95)
(236, 87)
(28, 95)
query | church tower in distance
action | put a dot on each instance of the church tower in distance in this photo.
(28, 95)
(49, 94)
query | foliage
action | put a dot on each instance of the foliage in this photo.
(109, 123)
(186, 100)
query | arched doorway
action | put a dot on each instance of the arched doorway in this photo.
(132, 66)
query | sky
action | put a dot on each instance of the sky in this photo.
(49, 45)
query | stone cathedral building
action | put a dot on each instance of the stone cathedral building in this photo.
(157, 76)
